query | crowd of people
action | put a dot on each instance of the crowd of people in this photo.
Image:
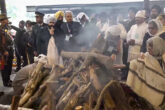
(125, 39)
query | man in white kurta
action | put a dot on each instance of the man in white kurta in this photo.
(135, 35)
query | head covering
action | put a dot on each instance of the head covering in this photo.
(50, 19)
(141, 14)
(3, 16)
(39, 14)
(80, 15)
(113, 30)
(59, 13)
(158, 46)
(158, 23)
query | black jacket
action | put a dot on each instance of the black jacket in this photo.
(59, 36)
(144, 44)
(74, 28)
(128, 24)
(40, 36)
(19, 38)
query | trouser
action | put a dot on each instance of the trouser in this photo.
(125, 52)
(6, 71)
(30, 54)
(18, 55)
(25, 62)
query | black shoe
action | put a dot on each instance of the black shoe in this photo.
(9, 84)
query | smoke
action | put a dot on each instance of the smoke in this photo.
(107, 16)
(87, 35)
(90, 31)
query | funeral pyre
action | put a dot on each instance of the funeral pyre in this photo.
(85, 81)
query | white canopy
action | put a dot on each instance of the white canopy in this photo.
(59, 2)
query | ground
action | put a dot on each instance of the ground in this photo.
(6, 89)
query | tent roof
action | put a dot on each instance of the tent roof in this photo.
(61, 2)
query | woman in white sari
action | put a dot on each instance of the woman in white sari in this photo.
(147, 75)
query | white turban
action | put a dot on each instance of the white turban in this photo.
(141, 14)
(50, 19)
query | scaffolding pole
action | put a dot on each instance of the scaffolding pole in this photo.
(3, 6)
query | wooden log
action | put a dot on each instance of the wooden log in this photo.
(15, 102)
(92, 100)
(94, 79)
(117, 94)
(33, 98)
(108, 101)
(68, 86)
(100, 98)
(41, 89)
(87, 107)
(102, 59)
(8, 107)
(60, 91)
(79, 108)
(75, 99)
(35, 82)
(51, 94)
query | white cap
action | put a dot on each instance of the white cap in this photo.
(141, 14)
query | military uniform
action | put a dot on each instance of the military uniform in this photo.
(6, 45)
(40, 36)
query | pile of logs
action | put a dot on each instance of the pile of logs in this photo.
(87, 81)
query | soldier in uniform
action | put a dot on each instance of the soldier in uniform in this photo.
(6, 50)
(40, 35)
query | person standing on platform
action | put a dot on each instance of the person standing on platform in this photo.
(40, 35)
(6, 50)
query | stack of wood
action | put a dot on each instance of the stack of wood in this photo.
(8, 107)
(87, 81)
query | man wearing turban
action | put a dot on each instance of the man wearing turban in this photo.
(58, 33)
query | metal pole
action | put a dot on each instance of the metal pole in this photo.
(3, 6)
(147, 7)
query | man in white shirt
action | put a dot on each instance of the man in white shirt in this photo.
(136, 34)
